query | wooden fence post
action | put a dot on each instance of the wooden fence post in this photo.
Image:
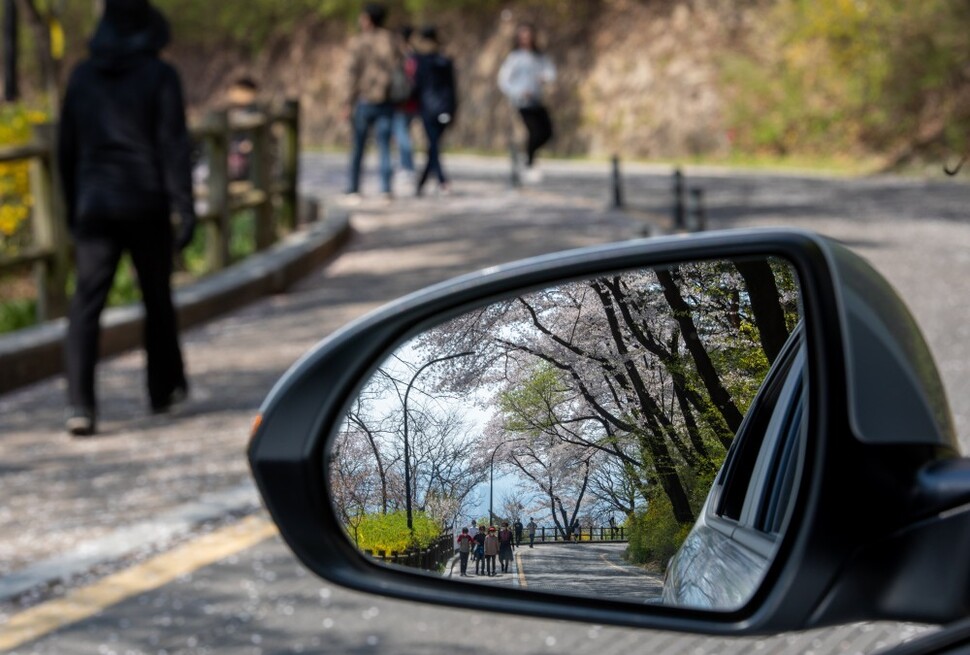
(50, 228)
(262, 177)
(290, 154)
(217, 229)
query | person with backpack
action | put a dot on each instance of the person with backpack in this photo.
(434, 82)
(374, 66)
(522, 78)
(505, 546)
(405, 112)
(465, 542)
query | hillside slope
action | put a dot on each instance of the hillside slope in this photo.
(666, 78)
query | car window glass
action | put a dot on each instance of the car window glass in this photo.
(739, 470)
(777, 435)
(787, 460)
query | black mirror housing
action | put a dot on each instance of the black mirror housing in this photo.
(883, 490)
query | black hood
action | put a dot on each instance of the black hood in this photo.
(128, 31)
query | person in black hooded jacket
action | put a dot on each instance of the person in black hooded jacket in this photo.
(124, 159)
(437, 99)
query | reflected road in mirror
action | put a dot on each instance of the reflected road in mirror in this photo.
(586, 569)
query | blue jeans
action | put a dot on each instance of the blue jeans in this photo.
(367, 115)
(402, 135)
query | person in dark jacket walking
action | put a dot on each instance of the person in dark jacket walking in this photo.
(434, 82)
(505, 546)
(124, 159)
(479, 551)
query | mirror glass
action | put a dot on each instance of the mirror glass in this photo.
(636, 436)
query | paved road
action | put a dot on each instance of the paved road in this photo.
(61, 496)
(587, 569)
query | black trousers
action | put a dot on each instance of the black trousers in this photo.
(463, 560)
(539, 126)
(98, 249)
(434, 131)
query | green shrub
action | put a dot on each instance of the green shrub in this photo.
(389, 532)
(655, 535)
(16, 314)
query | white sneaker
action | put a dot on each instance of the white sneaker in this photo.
(532, 175)
(351, 199)
(404, 179)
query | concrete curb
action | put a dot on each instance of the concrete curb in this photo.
(32, 354)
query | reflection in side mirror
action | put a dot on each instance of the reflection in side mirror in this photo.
(634, 436)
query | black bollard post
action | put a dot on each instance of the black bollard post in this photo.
(680, 218)
(698, 215)
(617, 184)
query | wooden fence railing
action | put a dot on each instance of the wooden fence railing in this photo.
(270, 192)
(432, 558)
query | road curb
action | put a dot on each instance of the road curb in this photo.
(35, 353)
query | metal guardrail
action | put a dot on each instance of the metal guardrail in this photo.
(271, 192)
(602, 533)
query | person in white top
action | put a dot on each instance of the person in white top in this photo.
(522, 78)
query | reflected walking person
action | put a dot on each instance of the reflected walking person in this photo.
(505, 547)
(517, 526)
(465, 542)
(532, 532)
(491, 550)
(479, 551)
(124, 158)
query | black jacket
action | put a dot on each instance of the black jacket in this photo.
(124, 148)
(434, 82)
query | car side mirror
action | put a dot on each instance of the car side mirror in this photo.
(759, 406)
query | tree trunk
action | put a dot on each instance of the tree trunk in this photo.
(49, 67)
(768, 312)
(705, 367)
(11, 85)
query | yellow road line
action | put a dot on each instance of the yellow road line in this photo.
(519, 569)
(85, 602)
(618, 568)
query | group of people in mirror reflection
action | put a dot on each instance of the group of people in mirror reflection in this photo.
(392, 79)
(484, 545)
